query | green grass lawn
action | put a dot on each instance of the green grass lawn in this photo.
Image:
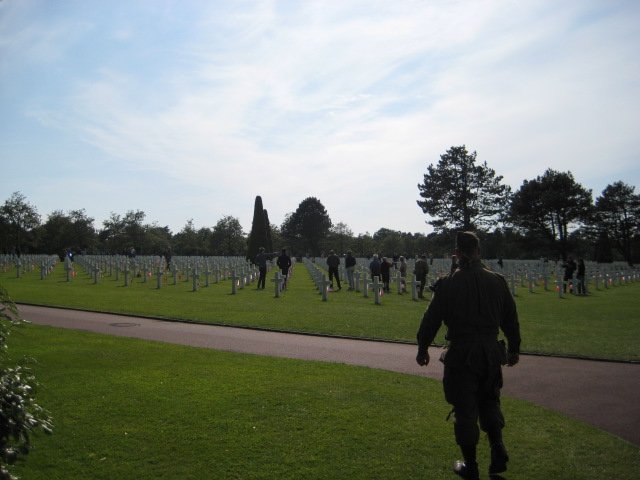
(604, 324)
(133, 409)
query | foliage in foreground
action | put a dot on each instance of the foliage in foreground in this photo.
(128, 408)
(20, 415)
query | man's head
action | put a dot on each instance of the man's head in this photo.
(467, 245)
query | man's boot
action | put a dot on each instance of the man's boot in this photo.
(469, 468)
(468, 472)
(499, 458)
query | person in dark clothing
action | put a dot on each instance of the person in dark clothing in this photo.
(385, 272)
(421, 271)
(374, 267)
(474, 303)
(569, 267)
(167, 258)
(350, 265)
(284, 263)
(333, 262)
(261, 262)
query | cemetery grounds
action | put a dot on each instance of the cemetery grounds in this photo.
(193, 413)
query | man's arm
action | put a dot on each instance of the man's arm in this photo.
(511, 328)
(431, 322)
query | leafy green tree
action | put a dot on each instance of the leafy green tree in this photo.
(134, 229)
(20, 415)
(550, 207)
(339, 238)
(56, 235)
(603, 253)
(112, 236)
(259, 235)
(121, 233)
(228, 238)
(66, 232)
(617, 214)
(388, 242)
(20, 217)
(363, 245)
(308, 226)
(278, 241)
(187, 241)
(156, 239)
(269, 247)
(460, 195)
(83, 231)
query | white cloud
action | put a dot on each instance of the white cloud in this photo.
(347, 101)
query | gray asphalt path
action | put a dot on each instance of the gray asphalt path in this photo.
(603, 394)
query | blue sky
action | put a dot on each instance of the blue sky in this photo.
(189, 109)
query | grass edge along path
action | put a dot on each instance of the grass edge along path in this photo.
(588, 326)
(129, 408)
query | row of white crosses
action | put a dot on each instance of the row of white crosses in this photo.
(27, 263)
(531, 273)
(193, 268)
(241, 272)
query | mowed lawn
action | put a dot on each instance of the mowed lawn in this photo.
(603, 324)
(133, 409)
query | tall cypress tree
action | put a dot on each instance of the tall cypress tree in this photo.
(267, 225)
(258, 236)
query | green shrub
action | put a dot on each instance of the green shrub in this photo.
(19, 414)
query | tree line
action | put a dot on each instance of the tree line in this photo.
(551, 216)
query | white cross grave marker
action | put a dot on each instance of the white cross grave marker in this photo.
(414, 287)
(377, 285)
(278, 281)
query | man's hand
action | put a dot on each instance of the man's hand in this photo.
(512, 359)
(423, 358)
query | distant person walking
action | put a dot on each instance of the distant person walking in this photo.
(261, 262)
(284, 264)
(385, 272)
(374, 267)
(474, 303)
(421, 271)
(333, 262)
(569, 267)
(350, 264)
(402, 268)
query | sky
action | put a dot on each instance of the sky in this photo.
(187, 110)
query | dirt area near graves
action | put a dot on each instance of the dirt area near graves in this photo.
(600, 393)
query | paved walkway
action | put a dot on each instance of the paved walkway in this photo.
(603, 394)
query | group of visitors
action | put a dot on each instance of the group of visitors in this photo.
(570, 267)
(284, 264)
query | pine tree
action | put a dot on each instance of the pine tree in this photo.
(258, 236)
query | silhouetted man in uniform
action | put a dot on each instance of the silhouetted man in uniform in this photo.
(474, 303)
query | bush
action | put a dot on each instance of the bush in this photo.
(19, 414)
